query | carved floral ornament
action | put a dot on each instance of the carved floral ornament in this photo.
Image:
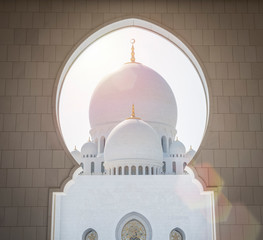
(133, 230)
(92, 235)
(175, 235)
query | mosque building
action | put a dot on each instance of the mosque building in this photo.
(141, 145)
(134, 183)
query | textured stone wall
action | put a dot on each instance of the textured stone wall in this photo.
(35, 38)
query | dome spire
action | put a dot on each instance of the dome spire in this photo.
(132, 52)
(133, 114)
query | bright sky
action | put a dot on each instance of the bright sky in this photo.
(109, 53)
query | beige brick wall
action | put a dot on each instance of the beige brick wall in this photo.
(35, 38)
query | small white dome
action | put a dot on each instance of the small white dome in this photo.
(76, 155)
(177, 147)
(89, 148)
(190, 154)
(133, 139)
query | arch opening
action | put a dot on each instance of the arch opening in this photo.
(72, 125)
(90, 234)
(133, 226)
(149, 27)
(177, 234)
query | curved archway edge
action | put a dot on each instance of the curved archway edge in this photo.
(130, 216)
(81, 46)
(113, 26)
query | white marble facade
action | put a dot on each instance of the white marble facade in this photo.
(160, 203)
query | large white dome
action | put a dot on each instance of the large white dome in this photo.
(133, 139)
(135, 84)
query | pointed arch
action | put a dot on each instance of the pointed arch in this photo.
(78, 50)
(164, 167)
(126, 170)
(177, 234)
(102, 144)
(140, 170)
(134, 219)
(133, 170)
(92, 167)
(90, 233)
(164, 144)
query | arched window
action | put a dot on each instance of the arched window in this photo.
(126, 170)
(90, 234)
(133, 170)
(102, 144)
(82, 165)
(164, 144)
(184, 165)
(120, 171)
(87, 155)
(140, 170)
(146, 170)
(133, 226)
(152, 171)
(174, 167)
(170, 142)
(177, 234)
(114, 171)
(92, 167)
(102, 167)
(164, 167)
(110, 171)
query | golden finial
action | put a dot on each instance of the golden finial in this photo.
(191, 147)
(75, 148)
(133, 114)
(176, 138)
(89, 139)
(132, 52)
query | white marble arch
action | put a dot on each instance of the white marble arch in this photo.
(180, 231)
(134, 216)
(85, 42)
(119, 24)
(89, 230)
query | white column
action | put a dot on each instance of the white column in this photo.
(98, 146)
